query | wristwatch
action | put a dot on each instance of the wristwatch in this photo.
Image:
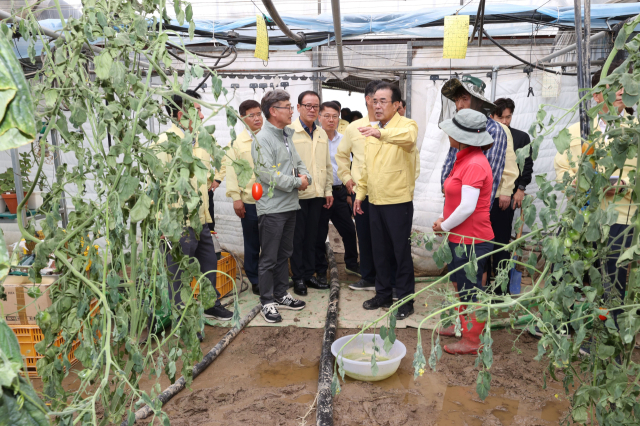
(522, 187)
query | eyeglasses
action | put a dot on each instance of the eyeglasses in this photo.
(330, 117)
(290, 108)
(258, 115)
(381, 103)
(311, 107)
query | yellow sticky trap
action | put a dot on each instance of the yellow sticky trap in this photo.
(262, 39)
(456, 36)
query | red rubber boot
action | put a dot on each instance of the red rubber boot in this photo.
(470, 342)
(450, 331)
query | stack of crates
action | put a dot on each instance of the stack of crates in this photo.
(29, 335)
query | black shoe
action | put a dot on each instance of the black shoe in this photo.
(270, 313)
(219, 313)
(288, 302)
(362, 285)
(404, 311)
(353, 271)
(319, 283)
(299, 287)
(394, 294)
(255, 289)
(377, 302)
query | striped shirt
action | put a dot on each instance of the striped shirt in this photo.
(496, 156)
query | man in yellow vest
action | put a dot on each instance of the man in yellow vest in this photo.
(311, 143)
(388, 179)
(243, 203)
(352, 145)
(200, 247)
(621, 198)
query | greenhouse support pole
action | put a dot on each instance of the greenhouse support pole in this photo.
(580, 62)
(494, 82)
(337, 29)
(298, 38)
(17, 181)
(407, 96)
(57, 163)
(315, 61)
(324, 410)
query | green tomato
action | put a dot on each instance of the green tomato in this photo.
(590, 253)
(574, 256)
(568, 242)
(567, 250)
(574, 235)
(586, 214)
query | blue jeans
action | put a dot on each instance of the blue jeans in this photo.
(466, 287)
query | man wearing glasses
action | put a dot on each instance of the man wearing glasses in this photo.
(243, 203)
(340, 212)
(388, 179)
(276, 160)
(311, 143)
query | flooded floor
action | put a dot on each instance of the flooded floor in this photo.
(268, 376)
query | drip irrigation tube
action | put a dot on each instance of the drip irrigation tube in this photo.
(324, 410)
(173, 390)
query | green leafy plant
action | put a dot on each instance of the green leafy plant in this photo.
(111, 256)
(572, 299)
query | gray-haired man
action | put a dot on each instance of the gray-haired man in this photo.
(275, 158)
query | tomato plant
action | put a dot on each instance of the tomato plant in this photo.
(111, 255)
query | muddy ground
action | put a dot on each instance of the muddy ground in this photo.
(268, 376)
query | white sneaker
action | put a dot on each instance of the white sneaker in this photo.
(288, 302)
(270, 313)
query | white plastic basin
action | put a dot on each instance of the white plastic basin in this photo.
(361, 370)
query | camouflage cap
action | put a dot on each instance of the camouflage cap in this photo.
(473, 85)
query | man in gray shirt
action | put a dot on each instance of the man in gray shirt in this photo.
(275, 159)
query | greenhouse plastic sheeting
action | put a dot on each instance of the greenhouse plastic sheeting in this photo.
(419, 23)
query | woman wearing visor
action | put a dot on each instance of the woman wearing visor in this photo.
(467, 203)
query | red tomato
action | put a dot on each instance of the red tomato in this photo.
(603, 314)
(256, 191)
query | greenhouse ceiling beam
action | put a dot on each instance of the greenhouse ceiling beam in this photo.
(337, 29)
(45, 31)
(572, 47)
(298, 38)
(389, 69)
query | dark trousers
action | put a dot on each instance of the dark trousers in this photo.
(466, 287)
(251, 236)
(501, 221)
(390, 233)
(212, 225)
(201, 249)
(340, 215)
(303, 258)
(616, 277)
(276, 244)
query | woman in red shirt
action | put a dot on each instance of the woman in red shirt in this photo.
(467, 202)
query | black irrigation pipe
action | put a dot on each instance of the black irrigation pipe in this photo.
(324, 410)
(173, 390)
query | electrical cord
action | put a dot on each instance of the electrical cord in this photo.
(524, 61)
